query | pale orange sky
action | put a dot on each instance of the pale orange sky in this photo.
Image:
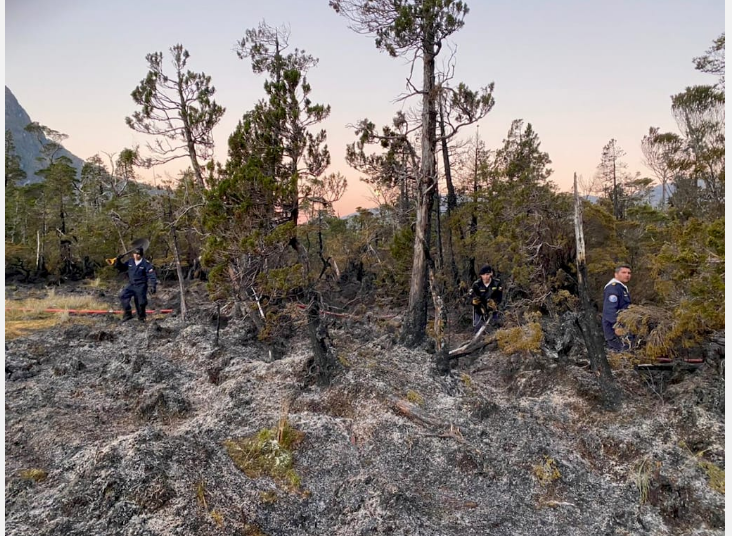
(580, 72)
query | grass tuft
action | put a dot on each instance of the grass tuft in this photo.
(268, 453)
(415, 398)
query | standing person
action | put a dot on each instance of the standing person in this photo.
(616, 298)
(486, 295)
(141, 274)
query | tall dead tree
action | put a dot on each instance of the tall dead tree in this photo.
(586, 318)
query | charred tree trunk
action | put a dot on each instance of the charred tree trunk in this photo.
(470, 273)
(451, 197)
(324, 360)
(587, 322)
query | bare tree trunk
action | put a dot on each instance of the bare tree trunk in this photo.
(438, 221)
(415, 320)
(38, 250)
(178, 267)
(179, 271)
(440, 312)
(586, 319)
(451, 197)
(190, 144)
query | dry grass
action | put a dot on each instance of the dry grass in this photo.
(524, 339)
(26, 316)
(652, 325)
(268, 453)
(36, 475)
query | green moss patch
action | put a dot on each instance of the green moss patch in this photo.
(268, 453)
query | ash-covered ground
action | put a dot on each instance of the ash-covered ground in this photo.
(121, 429)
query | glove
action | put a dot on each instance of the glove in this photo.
(476, 300)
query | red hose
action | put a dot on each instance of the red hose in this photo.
(88, 311)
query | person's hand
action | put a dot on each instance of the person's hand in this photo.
(619, 332)
(476, 300)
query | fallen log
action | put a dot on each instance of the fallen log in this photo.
(417, 415)
(476, 343)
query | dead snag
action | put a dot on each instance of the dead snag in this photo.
(587, 321)
(324, 362)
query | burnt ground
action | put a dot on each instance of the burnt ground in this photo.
(120, 429)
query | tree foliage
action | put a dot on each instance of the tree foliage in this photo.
(179, 109)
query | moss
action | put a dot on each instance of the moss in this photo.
(36, 475)
(268, 453)
(715, 475)
(547, 471)
(713, 471)
(415, 398)
(268, 497)
(250, 529)
(524, 339)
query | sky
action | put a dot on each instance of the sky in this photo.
(581, 72)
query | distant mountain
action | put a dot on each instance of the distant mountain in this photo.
(27, 145)
(654, 196)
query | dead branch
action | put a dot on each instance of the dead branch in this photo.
(476, 343)
(417, 415)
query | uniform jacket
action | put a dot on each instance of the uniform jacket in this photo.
(616, 298)
(481, 293)
(139, 274)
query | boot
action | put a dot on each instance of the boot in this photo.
(127, 316)
(140, 312)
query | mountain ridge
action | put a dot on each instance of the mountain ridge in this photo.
(27, 145)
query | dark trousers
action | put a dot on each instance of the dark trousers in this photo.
(611, 339)
(139, 293)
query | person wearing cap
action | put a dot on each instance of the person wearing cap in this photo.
(141, 274)
(486, 295)
(616, 297)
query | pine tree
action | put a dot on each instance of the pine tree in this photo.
(418, 27)
(178, 108)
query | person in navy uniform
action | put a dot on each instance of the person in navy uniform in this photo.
(486, 295)
(616, 297)
(141, 274)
